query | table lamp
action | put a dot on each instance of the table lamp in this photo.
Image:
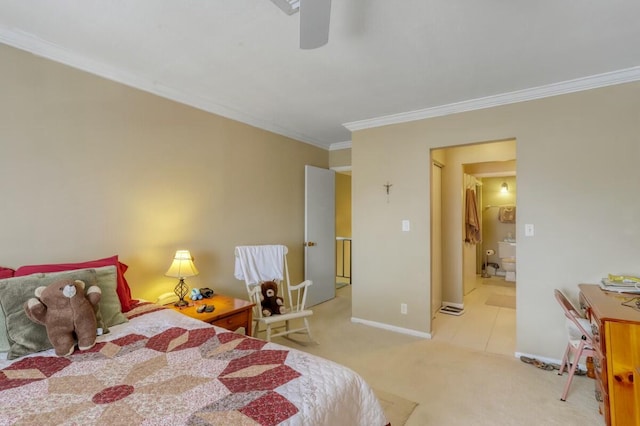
(182, 267)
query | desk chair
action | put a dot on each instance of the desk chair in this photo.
(580, 340)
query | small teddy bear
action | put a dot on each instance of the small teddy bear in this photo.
(66, 312)
(269, 299)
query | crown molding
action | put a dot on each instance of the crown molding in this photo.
(576, 85)
(340, 145)
(39, 47)
(31, 43)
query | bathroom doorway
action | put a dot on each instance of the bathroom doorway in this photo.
(499, 216)
(495, 185)
(483, 161)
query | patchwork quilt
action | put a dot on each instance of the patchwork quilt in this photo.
(163, 368)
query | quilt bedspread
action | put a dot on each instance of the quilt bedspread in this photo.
(163, 368)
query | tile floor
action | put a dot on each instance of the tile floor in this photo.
(482, 327)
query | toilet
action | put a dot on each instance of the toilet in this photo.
(507, 255)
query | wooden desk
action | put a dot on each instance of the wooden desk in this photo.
(616, 337)
(637, 383)
(229, 313)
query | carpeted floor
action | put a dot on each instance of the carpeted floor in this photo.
(502, 301)
(452, 385)
(396, 408)
(342, 282)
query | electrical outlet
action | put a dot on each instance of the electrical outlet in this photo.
(403, 308)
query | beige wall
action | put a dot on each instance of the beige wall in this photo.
(340, 158)
(91, 168)
(394, 264)
(491, 167)
(575, 155)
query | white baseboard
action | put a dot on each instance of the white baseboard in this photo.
(539, 358)
(582, 366)
(392, 328)
(455, 305)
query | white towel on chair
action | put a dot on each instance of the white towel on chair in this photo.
(260, 263)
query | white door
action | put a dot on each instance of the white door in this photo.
(436, 238)
(320, 234)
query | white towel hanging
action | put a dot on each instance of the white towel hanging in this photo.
(261, 263)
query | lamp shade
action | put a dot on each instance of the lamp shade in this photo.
(182, 265)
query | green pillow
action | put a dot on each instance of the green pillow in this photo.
(4, 340)
(107, 277)
(107, 280)
(23, 335)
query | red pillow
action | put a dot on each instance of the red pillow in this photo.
(6, 272)
(123, 290)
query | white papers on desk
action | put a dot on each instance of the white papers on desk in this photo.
(619, 286)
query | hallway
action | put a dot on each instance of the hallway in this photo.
(483, 327)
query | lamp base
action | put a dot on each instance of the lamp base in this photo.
(181, 303)
(181, 291)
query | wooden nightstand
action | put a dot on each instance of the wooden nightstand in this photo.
(229, 313)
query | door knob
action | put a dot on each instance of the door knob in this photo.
(309, 244)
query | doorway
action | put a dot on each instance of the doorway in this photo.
(436, 237)
(343, 228)
(497, 157)
(499, 195)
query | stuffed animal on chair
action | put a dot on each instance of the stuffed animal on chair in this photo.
(269, 299)
(66, 312)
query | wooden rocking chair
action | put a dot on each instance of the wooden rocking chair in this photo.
(257, 264)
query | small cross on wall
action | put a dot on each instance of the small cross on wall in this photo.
(387, 187)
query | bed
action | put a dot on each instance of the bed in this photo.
(164, 368)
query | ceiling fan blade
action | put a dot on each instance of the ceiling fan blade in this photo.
(314, 23)
(288, 6)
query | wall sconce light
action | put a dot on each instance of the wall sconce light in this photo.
(504, 187)
(182, 267)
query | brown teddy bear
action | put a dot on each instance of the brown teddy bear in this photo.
(269, 299)
(66, 312)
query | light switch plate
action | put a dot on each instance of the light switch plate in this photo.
(406, 226)
(528, 230)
